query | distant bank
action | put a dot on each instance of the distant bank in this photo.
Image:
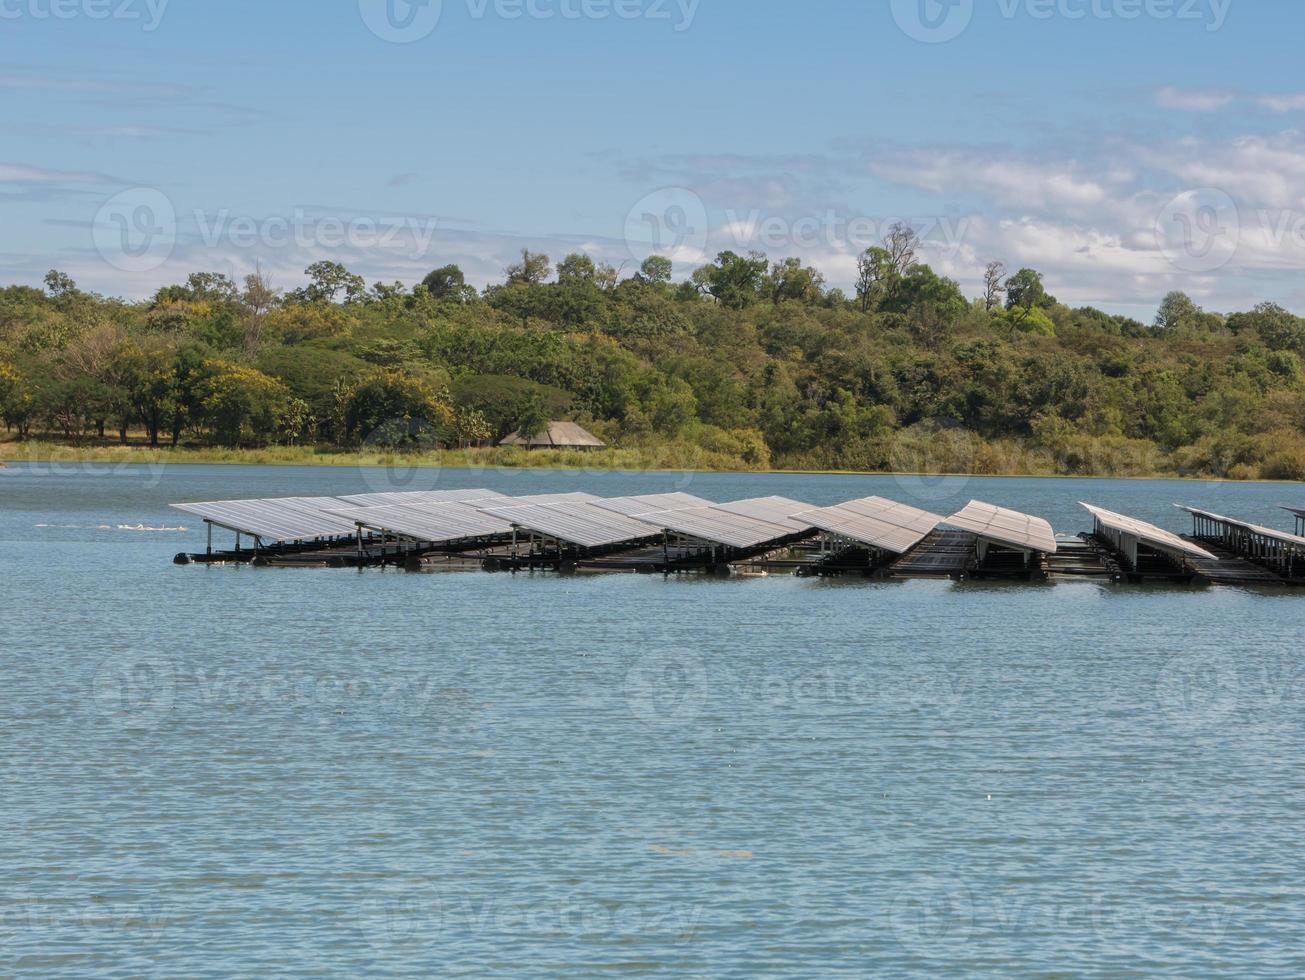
(671, 458)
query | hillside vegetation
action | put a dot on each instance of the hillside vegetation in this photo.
(749, 363)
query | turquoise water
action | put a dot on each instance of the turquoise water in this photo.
(217, 771)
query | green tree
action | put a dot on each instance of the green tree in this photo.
(576, 268)
(244, 407)
(874, 276)
(471, 427)
(656, 269)
(16, 407)
(735, 281)
(790, 280)
(575, 299)
(60, 284)
(296, 420)
(149, 378)
(531, 419)
(446, 283)
(1275, 326)
(1177, 311)
(328, 282)
(532, 270)
(395, 408)
(1026, 293)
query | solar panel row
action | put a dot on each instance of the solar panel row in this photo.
(1008, 528)
(585, 520)
(876, 522)
(579, 523)
(1147, 534)
(1268, 532)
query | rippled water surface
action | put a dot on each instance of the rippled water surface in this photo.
(217, 771)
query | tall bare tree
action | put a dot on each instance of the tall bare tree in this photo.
(994, 284)
(901, 244)
(258, 298)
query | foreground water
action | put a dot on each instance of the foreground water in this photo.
(217, 771)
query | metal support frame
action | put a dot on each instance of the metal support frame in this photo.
(1282, 557)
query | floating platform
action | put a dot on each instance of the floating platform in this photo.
(942, 554)
(1083, 559)
(1227, 568)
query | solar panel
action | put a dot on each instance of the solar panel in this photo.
(435, 523)
(408, 498)
(579, 523)
(1008, 528)
(877, 522)
(717, 526)
(541, 498)
(1148, 534)
(1268, 532)
(776, 510)
(655, 503)
(275, 520)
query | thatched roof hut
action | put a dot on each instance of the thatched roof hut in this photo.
(558, 435)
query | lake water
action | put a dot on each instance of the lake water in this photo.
(217, 771)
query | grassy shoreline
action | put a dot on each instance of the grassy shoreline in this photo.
(664, 460)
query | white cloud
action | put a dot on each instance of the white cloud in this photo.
(1193, 100)
(23, 174)
(1257, 171)
(1009, 180)
(1294, 102)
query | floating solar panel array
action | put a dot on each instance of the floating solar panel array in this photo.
(1153, 537)
(588, 521)
(1007, 528)
(876, 522)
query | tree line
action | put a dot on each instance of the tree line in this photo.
(756, 361)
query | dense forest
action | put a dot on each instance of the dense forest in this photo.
(748, 362)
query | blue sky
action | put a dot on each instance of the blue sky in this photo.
(1122, 147)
